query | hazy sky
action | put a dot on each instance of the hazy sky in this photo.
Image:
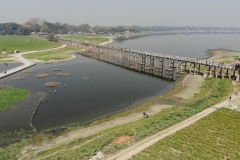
(125, 12)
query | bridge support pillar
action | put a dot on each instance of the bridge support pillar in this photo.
(163, 67)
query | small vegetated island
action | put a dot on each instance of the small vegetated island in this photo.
(90, 39)
(54, 55)
(9, 96)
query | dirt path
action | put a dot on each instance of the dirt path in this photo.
(139, 146)
(25, 63)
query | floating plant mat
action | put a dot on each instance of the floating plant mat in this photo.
(63, 75)
(52, 84)
(19, 78)
(42, 75)
(28, 71)
(16, 121)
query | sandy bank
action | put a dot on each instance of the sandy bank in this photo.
(221, 54)
(107, 42)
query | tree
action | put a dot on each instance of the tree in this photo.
(51, 37)
(35, 24)
(24, 31)
(84, 27)
(60, 31)
(44, 28)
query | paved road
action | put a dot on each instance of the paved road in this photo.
(25, 63)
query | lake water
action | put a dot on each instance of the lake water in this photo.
(192, 46)
(109, 89)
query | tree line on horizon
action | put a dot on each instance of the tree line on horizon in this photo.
(38, 25)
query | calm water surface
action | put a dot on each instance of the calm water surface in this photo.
(193, 46)
(108, 90)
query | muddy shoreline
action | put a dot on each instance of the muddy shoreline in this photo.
(16, 123)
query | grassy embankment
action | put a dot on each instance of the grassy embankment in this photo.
(53, 55)
(20, 43)
(213, 137)
(9, 96)
(212, 91)
(90, 39)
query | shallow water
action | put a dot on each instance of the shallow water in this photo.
(108, 90)
(4, 67)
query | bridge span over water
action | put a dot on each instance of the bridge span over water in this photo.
(169, 67)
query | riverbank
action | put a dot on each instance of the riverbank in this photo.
(151, 107)
(91, 139)
(223, 55)
(111, 39)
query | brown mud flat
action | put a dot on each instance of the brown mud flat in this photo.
(28, 71)
(63, 75)
(52, 84)
(42, 75)
(19, 78)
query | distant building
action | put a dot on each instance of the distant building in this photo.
(27, 25)
(42, 33)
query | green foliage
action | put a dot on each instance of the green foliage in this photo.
(91, 39)
(50, 37)
(9, 96)
(59, 54)
(20, 43)
(13, 29)
(213, 137)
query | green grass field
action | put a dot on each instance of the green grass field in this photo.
(59, 54)
(91, 39)
(9, 96)
(19, 43)
(214, 137)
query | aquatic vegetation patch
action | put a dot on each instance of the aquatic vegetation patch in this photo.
(42, 75)
(19, 78)
(63, 75)
(28, 71)
(9, 96)
(52, 84)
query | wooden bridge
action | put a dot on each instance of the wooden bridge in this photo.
(162, 66)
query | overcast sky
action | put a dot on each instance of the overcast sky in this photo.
(125, 12)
